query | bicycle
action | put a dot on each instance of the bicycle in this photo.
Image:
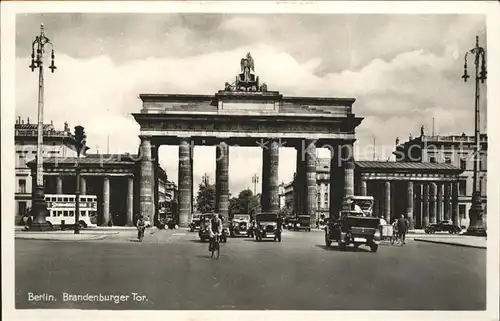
(141, 230)
(214, 247)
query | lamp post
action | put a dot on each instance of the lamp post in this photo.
(39, 206)
(476, 225)
(80, 143)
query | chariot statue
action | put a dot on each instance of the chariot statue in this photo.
(247, 80)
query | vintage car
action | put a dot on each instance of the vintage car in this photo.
(204, 233)
(239, 225)
(266, 225)
(195, 222)
(353, 227)
(290, 222)
(303, 222)
(443, 226)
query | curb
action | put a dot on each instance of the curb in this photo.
(450, 243)
(101, 237)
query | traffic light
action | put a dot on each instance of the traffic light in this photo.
(80, 138)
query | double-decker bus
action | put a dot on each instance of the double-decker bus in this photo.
(62, 207)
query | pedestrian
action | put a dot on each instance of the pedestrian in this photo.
(395, 231)
(402, 228)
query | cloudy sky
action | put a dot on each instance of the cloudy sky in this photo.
(403, 70)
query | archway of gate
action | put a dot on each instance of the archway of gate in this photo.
(247, 115)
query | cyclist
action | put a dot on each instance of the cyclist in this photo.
(141, 226)
(215, 229)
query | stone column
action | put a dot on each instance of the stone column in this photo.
(300, 183)
(105, 201)
(310, 190)
(387, 201)
(222, 180)
(447, 200)
(156, 193)
(417, 213)
(454, 204)
(270, 185)
(185, 190)
(425, 205)
(364, 188)
(191, 159)
(146, 193)
(432, 202)
(348, 181)
(321, 196)
(336, 181)
(130, 201)
(439, 205)
(83, 186)
(59, 187)
(264, 196)
(409, 203)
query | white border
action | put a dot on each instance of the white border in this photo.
(8, 11)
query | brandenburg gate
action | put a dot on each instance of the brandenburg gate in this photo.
(247, 114)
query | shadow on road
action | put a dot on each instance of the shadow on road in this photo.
(262, 241)
(134, 240)
(348, 249)
(198, 241)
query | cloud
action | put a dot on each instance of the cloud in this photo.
(396, 94)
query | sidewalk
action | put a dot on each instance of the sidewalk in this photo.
(60, 236)
(456, 240)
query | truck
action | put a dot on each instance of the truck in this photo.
(355, 225)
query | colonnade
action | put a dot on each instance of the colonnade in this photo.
(106, 192)
(305, 193)
(423, 202)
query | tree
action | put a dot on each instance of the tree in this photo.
(205, 201)
(234, 206)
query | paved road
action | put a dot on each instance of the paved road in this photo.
(173, 270)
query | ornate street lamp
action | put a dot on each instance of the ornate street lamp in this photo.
(39, 206)
(80, 145)
(476, 225)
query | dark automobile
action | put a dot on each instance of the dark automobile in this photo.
(443, 226)
(303, 222)
(204, 233)
(290, 222)
(240, 225)
(351, 227)
(266, 225)
(195, 222)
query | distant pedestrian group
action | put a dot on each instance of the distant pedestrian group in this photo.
(400, 227)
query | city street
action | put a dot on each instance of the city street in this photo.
(172, 270)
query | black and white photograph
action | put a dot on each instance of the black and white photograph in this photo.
(250, 157)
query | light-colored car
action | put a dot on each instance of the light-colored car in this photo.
(239, 225)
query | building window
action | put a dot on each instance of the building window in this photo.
(22, 186)
(21, 208)
(432, 159)
(463, 164)
(482, 164)
(318, 204)
(461, 211)
(462, 188)
(447, 160)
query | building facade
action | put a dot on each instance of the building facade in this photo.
(457, 150)
(396, 188)
(113, 178)
(56, 143)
